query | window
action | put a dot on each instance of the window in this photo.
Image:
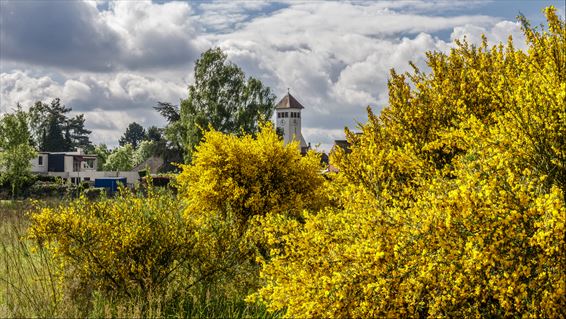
(89, 163)
(40, 160)
(286, 114)
(278, 115)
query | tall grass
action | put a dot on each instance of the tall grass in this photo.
(26, 275)
(31, 286)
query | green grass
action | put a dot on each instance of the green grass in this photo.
(29, 286)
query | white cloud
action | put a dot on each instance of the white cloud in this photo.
(108, 102)
(18, 87)
(334, 56)
(495, 34)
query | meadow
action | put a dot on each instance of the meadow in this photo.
(31, 287)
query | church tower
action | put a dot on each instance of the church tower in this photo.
(288, 121)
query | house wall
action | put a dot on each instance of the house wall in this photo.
(68, 163)
(35, 167)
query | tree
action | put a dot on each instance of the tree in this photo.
(154, 134)
(159, 143)
(102, 152)
(120, 159)
(15, 150)
(53, 139)
(171, 148)
(134, 134)
(221, 98)
(145, 150)
(54, 131)
(451, 202)
(79, 135)
(169, 111)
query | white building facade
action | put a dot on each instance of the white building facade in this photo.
(75, 166)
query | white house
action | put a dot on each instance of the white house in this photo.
(76, 166)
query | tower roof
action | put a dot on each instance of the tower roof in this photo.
(289, 102)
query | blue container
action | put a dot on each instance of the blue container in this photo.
(110, 183)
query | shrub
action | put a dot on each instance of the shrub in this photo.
(49, 189)
(95, 193)
(236, 186)
(46, 178)
(129, 244)
(452, 201)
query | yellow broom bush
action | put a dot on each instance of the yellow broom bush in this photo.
(452, 201)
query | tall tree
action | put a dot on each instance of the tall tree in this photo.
(16, 150)
(134, 134)
(79, 135)
(222, 98)
(54, 139)
(53, 130)
(172, 148)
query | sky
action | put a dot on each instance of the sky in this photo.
(114, 60)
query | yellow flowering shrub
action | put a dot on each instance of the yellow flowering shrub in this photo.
(234, 188)
(128, 244)
(452, 201)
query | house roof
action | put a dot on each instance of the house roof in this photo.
(289, 102)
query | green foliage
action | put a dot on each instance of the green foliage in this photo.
(145, 150)
(154, 134)
(220, 98)
(134, 134)
(58, 189)
(53, 131)
(15, 150)
(120, 159)
(102, 152)
(171, 148)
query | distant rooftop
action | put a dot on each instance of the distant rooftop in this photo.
(289, 102)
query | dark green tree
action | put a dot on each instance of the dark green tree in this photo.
(78, 134)
(154, 134)
(134, 134)
(54, 139)
(221, 98)
(171, 148)
(54, 131)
